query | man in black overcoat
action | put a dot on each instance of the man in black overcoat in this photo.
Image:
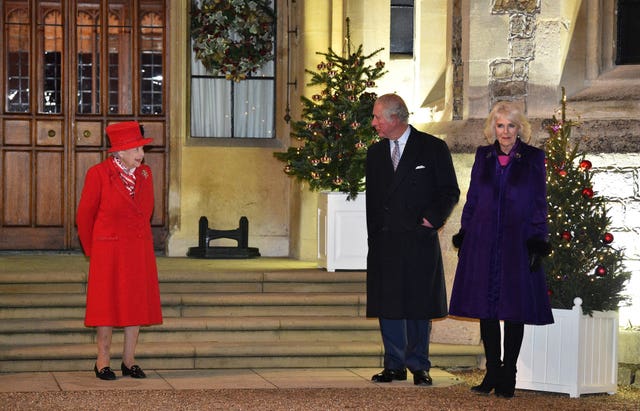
(405, 209)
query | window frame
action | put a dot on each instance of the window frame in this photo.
(274, 141)
(398, 37)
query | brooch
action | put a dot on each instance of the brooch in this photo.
(144, 174)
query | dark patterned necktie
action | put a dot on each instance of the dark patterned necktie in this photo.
(395, 154)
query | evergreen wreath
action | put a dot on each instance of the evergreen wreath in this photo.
(233, 38)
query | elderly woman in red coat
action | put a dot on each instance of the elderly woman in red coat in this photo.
(502, 238)
(114, 227)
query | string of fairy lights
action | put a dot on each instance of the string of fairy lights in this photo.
(583, 262)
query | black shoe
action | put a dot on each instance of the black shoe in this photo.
(489, 382)
(133, 372)
(422, 377)
(505, 393)
(388, 375)
(506, 385)
(482, 388)
(105, 373)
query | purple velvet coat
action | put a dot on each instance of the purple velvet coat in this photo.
(505, 207)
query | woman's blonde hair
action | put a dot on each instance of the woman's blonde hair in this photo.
(511, 111)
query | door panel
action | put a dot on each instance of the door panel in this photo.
(49, 190)
(17, 188)
(16, 132)
(156, 162)
(49, 133)
(88, 134)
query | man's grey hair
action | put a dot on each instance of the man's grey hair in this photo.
(394, 105)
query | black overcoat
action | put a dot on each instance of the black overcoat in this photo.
(405, 276)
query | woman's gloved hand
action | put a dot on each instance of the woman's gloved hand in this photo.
(538, 249)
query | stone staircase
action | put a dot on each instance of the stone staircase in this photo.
(212, 319)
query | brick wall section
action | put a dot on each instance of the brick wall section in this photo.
(508, 77)
(456, 60)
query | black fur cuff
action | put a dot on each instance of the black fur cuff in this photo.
(457, 239)
(538, 247)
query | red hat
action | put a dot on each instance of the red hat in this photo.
(126, 135)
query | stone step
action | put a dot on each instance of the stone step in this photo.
(190, 281)
(258, 313)
(67, 306)
(220, 329)
(210, 354)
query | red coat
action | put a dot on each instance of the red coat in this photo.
(115, 232)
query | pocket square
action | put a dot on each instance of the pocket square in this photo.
(419, 167)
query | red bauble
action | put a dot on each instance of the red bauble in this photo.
(587, 192)
(566, 236)
(601, 271)
(608, 238)
(563, 173)
(585, 165)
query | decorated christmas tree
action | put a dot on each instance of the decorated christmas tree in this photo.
(335, 130)
(584, 263)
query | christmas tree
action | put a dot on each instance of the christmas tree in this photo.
(335, 129)
(584, 263)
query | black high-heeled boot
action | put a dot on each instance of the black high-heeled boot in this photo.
(490, 334)
(513, 334)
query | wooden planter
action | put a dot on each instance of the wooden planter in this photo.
(342, 232)
(576, 355)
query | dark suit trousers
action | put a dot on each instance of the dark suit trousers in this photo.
(406, 344)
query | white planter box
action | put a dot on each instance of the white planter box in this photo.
(342, 232)
(576, 355)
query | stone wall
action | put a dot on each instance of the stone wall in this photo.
(616, 176)
(509, 77)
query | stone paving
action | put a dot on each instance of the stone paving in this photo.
(275, 378)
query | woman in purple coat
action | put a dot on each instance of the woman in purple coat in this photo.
(502, 238)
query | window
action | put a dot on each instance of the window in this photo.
(17, 40)
(52, 62)
(88, 28)
(222, 108)
(628, 30)
(151, 63)
(401, 27)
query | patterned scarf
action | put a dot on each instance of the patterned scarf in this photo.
(127, 176)
(503, 158)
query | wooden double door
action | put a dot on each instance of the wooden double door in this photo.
(70, 68)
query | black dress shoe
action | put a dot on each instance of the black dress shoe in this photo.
(422, 377)
(388, 375)
(133, 372)
(105, 373)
